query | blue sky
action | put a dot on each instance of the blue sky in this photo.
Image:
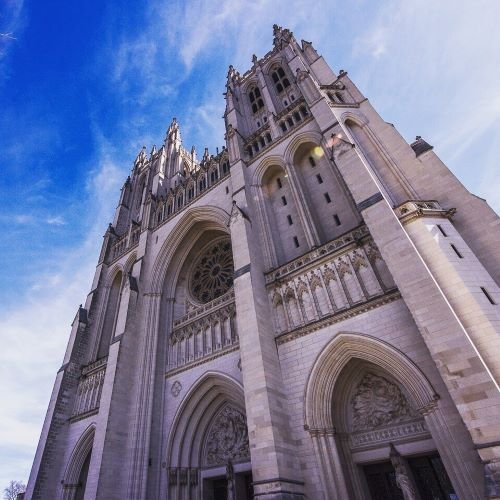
(83, 86)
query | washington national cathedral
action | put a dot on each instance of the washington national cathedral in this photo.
(311, 313)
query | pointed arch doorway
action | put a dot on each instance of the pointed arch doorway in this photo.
(208, 455)
(377, 428)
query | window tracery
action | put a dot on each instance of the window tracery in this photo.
(256, 100)
(212, 274)
(281, 82)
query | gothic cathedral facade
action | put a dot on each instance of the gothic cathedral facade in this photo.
(313, 312)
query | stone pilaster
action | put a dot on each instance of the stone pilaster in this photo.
(275, 468)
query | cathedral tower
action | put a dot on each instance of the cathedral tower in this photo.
(311, 312)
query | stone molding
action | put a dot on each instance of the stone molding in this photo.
(334, 357)
(413, 209)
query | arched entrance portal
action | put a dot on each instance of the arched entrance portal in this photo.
(208, 455)
(75, 477)
(377, 428)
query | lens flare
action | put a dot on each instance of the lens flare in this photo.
(318, 152)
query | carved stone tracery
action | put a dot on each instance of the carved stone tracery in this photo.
(228, 438)
(377, 402)
(212, 274)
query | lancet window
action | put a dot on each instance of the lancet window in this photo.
(256, 100)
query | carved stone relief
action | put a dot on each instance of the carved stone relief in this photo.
(176, 388)
(377, 402)
(227, 438)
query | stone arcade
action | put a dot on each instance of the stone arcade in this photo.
(312, 312)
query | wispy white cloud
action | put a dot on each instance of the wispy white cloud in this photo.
(34, 332)
(57, 220)
(12, 24)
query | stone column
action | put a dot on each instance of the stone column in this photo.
(330, 466)
(141, 429)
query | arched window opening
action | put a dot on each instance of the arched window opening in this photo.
(202, 184)
(288, 240)
(190, 192)
(280, 80)
(82, 478)
(214, 175)
(225, 167)
(179, 202)
(110, 316)
(256, 100)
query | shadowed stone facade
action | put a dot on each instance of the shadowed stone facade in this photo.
(310, 313)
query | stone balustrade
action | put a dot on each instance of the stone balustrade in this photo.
(124, 243)
(203, 332)
(292, 115)
(333, 278)
(89, 388)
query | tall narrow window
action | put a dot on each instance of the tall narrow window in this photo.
(256, 100)
(280, 80)
(456, 251)
(312, 162)
(283, 199)
(296, 241)
(488, 296)
(110, 315)
(337, 219)
(442, 230)
(320, 179)
(327, 198)
(289, 219)
(278, 181)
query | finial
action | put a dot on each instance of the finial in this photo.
(254, 59)
(281, 35)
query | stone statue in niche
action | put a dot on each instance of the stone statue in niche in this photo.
(230, 480)
(377, 402)
(403, 478)
(228, 438)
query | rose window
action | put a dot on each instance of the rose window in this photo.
(212, 274)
